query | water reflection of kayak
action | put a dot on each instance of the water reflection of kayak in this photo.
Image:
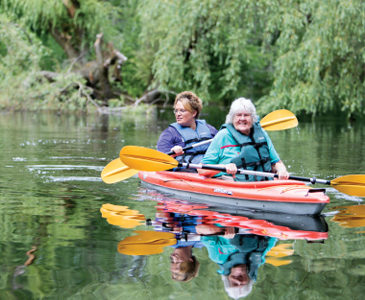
(283, 196)
(294, 222)
(278, 225)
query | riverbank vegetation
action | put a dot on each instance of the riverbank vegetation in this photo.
(306, 56)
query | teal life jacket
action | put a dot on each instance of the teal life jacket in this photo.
(255, 154)
(190, 137)
(251, 251)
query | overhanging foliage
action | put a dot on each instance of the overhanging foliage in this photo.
(306, 56)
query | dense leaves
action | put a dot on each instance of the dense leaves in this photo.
(205, 46)
(307, 56)
(320, 66)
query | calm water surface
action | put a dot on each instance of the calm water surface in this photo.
(61, 240)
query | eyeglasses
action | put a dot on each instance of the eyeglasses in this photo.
(182, 111)
(242, 115)
(175, 259)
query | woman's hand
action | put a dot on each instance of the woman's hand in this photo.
(229, 232)
(207, 173)
(178, 150)
(280, 169)
(283, 174)
(231, 169)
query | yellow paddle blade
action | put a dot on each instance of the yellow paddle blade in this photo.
(145, 159)
(279, 120)
(116, 171)
(122, 216)
(351, 216)
(146, 243)
(353, 185)
(281, 250)
(116, 208)
(277, 262)
(276, 254)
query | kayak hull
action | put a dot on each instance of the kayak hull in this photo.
(282, 196)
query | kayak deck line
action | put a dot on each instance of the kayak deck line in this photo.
(286, 196)
(286, 190)
(291, 188)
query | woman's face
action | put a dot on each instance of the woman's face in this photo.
(238, 276)
(242, 122)
(183, 116)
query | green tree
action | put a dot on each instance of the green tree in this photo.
(307, 56)
(304, 55)
(20, 55)
(320, 60)
(210, 47)
(74, 32)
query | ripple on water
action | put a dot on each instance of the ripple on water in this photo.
(72, 178)
(50, 173)
(343, 197)
(63, 167)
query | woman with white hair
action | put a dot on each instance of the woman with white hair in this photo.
(242, 143)
(239, 260)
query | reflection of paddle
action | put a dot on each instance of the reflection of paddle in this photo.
(121, 215)
(146, 243)
(145, 159)
(275, 255)
(280, 119)
(350, 216)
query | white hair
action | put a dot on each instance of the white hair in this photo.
(241, 105)
(237, 291)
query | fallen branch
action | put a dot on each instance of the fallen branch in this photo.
(50, 76)
(148, 97)
(153, 97)
(82, 93)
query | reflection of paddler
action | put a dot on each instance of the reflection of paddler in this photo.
(184, 265)
(182, 225)
(239, 259)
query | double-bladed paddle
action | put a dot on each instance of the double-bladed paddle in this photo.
(146, 159)
(281, 119)
(116, 170)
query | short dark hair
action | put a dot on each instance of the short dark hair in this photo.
(190, 101)
(188, 270)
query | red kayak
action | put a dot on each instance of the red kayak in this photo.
(283, 196)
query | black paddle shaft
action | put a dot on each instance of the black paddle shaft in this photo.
(223, 169)
(192, 146)
(312, 180)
